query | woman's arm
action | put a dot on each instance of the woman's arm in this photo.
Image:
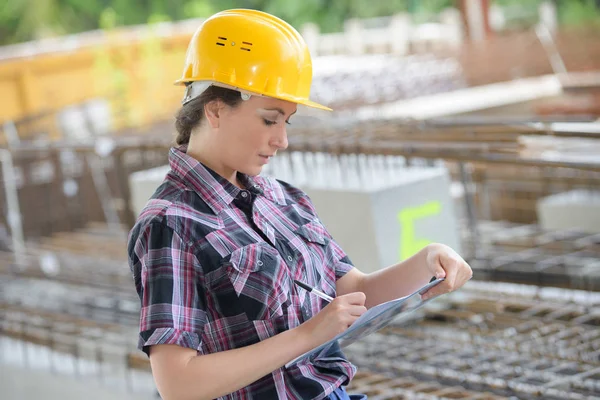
(389, 283)
(181, 374)
(409, 275)
(397, 280)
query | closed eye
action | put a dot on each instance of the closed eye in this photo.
(270, 123)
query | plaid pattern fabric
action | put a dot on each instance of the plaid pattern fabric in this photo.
(214, 267)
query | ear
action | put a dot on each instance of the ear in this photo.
(212, 111)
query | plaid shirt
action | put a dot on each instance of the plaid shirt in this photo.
(214, 266)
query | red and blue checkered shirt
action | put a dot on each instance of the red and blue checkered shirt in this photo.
(214, 266)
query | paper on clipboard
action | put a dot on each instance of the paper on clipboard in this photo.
(374, 319)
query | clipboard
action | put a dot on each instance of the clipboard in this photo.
(373, 320)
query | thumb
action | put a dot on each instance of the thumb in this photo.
(434, 265)
(432, 292)
(439, 272)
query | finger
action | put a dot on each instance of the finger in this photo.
(465, 274)
(457, 273)
(451, 266)
(439, 271)
(439, 289)
(433, 292)
(356, 298)
(468, 270)
(357, 311)
(429, 293)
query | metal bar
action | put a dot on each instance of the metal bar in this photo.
(556, 61)
(467, 183)
(106, 199)
(12, 203)
(11, 134)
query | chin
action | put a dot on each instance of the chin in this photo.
(252, 171)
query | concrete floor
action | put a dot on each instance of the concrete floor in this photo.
(19, 383)
(33, 372)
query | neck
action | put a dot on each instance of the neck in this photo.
(206, 153)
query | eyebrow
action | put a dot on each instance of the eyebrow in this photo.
(280, 111)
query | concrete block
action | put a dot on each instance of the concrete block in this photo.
(385, 221)
(576, 209)
(143, 184)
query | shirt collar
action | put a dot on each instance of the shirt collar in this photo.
(216, 191)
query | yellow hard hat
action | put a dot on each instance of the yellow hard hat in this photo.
(250, 51)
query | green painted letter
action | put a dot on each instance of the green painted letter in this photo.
(409, 244)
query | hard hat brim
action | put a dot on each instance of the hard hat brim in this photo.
(304, 102)
(312, 104)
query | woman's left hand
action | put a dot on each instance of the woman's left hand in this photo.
(443, 262)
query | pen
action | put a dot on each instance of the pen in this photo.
(313, 290)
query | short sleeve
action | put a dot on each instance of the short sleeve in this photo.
(168, 280)
(343, 264)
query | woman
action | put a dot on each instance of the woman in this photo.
(215, 251)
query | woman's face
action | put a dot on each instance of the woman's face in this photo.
(250, 134)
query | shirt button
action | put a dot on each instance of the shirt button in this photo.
(244, 194)
(290, 258)
(260, 263)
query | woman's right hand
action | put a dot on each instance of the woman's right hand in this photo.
(334, 318)
(177, 369)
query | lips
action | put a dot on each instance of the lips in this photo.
(265, 159)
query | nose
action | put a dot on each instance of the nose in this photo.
(280, 139)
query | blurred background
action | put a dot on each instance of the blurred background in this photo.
(473, 123)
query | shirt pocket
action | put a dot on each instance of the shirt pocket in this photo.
(260, 279)
(312, 244)
(314, 233)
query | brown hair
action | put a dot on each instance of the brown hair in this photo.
(191, 114)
